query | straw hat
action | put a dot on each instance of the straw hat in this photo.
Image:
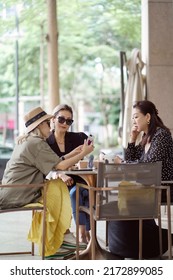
(34, 118)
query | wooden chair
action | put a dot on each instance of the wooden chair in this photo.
(32, 207)
(143, 173)
(142, 187)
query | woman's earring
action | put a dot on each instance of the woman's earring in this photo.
(148, 122)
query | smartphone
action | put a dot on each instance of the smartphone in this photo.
(90, 139)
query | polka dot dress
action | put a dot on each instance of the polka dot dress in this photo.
(161, 149)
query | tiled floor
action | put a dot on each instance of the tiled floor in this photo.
(13, 232)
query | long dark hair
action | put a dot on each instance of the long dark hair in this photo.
(146, 107)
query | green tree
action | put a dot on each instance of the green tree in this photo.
(89, 31)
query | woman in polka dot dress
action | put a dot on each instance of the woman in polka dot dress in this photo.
(157, 142)
(156, 145)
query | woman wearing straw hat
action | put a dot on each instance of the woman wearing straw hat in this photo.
(31, 161)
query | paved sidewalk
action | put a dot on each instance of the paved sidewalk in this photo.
(13, 235)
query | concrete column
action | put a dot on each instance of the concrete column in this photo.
(157, 53)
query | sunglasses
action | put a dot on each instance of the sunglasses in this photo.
(63, 120)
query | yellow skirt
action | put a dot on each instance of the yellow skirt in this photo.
(58, 218)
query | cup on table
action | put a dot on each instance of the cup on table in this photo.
(83, 164)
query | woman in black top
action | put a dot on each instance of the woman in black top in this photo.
(63, 143)
(156, 145)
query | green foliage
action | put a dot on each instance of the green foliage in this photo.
(89, 30)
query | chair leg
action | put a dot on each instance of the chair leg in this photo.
(160, 233)
(140, 239)
(106, 233)
(92, 225)
(169, 223)
(44, 233)
(93, 235)
(32, 245)
(77, 222)
(32, 249)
